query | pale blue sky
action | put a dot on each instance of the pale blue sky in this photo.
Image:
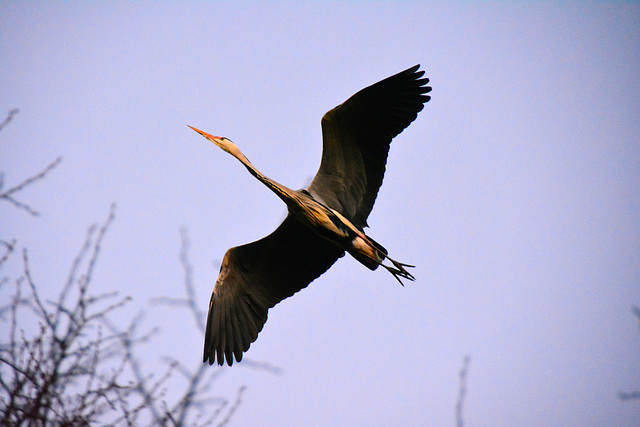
(516, 193)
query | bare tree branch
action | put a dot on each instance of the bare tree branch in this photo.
(8, 195)
(233, 407)
(81, 369)
(190, 301)
(8, 250)
(38, 375)
(9, 118)
(462, 391)
(77, 367)
(631, 395)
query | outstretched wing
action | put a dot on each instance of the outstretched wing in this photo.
(356, 137)
(255, 277)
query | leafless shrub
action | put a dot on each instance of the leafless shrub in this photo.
(77, 367)
(54, 376)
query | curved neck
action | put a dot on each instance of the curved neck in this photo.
(282, 191)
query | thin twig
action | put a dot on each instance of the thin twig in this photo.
(631, 395)
(233, 407)
(462, 391)
(8, 195)
(41, 310)
(188, 279)
(636, 311)
(9, 118)
(10, 246)
(190, 301)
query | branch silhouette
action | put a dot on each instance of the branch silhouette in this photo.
(9, 195)
(462, 391)
(75, 366)
(631, 395)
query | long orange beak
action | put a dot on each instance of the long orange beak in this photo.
(206, 135)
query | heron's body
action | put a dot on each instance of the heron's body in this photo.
(325, 221)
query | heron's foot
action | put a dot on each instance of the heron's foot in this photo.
(399, 271)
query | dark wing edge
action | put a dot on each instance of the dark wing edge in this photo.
(255, 277)
(356, 137)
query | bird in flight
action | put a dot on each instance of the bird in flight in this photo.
(324, 220)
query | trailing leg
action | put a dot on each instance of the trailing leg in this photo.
(398, 270)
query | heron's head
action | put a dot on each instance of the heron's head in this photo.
(220, 141)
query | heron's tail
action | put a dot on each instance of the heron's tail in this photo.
(368, 252)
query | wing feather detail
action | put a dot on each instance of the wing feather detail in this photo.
(356, 137)
(255, 277)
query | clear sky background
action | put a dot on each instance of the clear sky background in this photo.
(516, 193)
